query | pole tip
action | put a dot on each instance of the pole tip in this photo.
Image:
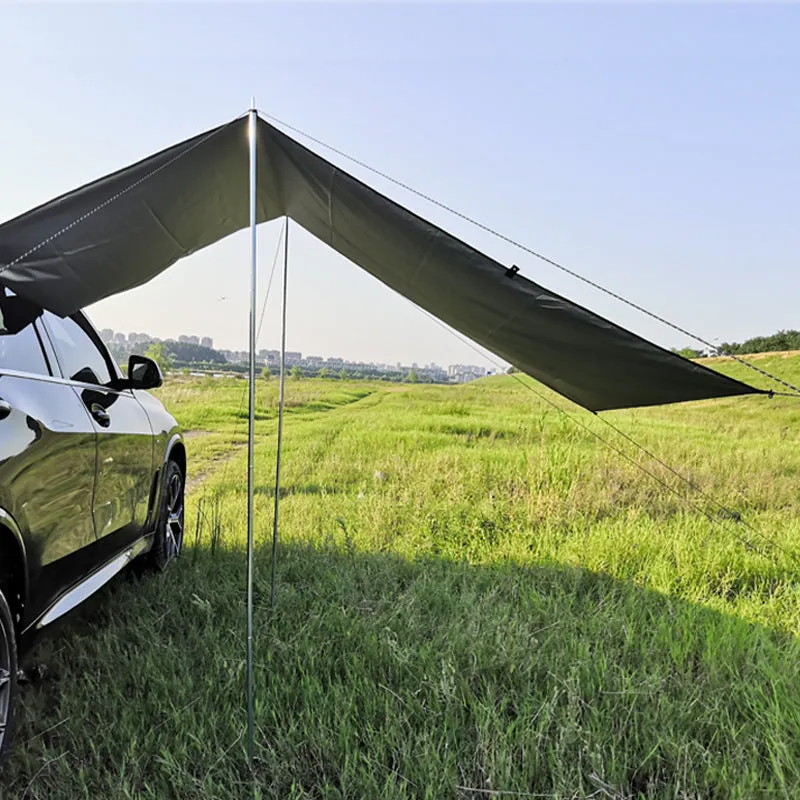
(252, 103)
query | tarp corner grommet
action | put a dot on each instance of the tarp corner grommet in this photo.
(512, 271)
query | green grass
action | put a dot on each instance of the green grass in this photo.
(475, 597)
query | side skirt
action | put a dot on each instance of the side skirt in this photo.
(88, 586)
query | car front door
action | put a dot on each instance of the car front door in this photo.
(124, 437)
(47, 465)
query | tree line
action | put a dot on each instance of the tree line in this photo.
(782, 340)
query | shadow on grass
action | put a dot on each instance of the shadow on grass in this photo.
(382, 677)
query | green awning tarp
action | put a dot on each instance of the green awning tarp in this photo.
(124, 229)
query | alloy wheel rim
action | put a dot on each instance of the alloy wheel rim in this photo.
(5, 683)
(174, 529)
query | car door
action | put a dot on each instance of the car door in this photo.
(124, 437)
(47, 465)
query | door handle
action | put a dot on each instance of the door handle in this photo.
(102, 416)
(5, 409)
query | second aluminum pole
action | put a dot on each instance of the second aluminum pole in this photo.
(253, 130)
(280, 414)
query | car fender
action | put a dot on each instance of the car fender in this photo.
(175, 439)
(7, 521)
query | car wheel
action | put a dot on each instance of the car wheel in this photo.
(8, 677)
(169, 530)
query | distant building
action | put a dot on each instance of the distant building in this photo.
(272, 358)
(293, 358)
(434, 373)
(107, 335)
(235, 356)
(189, 339)
(120, 337)
(463, 373)
(207, 341)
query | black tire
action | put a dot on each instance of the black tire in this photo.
(8, 678)
(168, 541)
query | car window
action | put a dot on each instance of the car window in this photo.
(80, 358)
(23, 352)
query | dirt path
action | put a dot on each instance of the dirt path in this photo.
(210, 465)
(213, 463)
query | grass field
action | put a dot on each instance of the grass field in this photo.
(476, 599)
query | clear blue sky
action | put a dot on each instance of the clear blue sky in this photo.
(653, 148)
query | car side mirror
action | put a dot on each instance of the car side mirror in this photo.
(16, 314)
(143, 373)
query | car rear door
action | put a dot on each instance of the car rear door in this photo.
(47, 465)
(124, 438)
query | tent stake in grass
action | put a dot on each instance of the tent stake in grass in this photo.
(253, 131)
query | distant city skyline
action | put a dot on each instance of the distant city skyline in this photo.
(126, 342)
(491, 362)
